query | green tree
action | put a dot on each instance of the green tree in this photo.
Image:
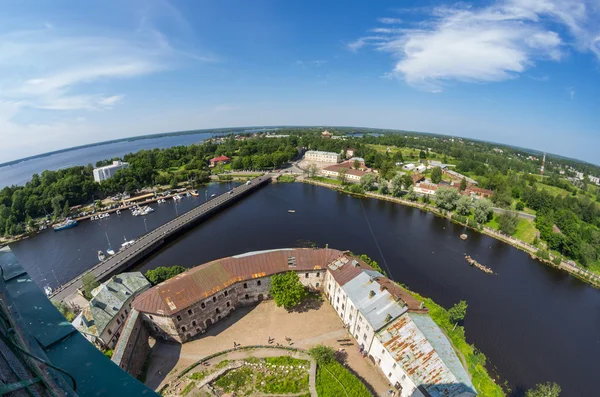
(367, 181)
(463, 206)
(407, 181)
(411, 195)
(312, 170)
(322, 354)
(163, 273)
(463, 184)
(458, 312)
(549, 389)
(397, 185)
(65, 310)
(56, 205)
(436, 175)
(383, 187)
(447, 198)
(507, 222)
(482, 209)
(519, 206)
(89, 282)
(422, 154)
(356, 164)
(287, 290)
(66, 209)
(343, 175)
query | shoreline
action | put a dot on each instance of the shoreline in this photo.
(577, 272)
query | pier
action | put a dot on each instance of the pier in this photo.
(150, 242)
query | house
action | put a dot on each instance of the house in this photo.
(352, 175)
(594, 179)
(425, 188)
(101, 320)
(361, 163)
(219, 160)
(416, 177)
(326, 134)
(477, 192)
(457, 176)
(108, 171)
(350, 152)
(322, 157)
(420, 168)
(408, 167)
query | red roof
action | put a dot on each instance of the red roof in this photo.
(220, 158)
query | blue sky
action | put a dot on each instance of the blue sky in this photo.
(522, 72)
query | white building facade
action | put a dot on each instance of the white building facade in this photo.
(322, 157)
(108, 171)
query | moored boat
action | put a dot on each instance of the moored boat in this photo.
(66, 224)
(101, 256)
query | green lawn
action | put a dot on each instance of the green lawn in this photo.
(327, 180)
(493, 223)
(406, 152)
(553, 190)
(334, 380)
(525, 230)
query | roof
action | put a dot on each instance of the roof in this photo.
(108, 299)
(349, 170)
(417, 177)
(375, 303)
(220, 158)
(346, 267)
(194, 285)
(322, 152)
(425, 354)
(360, 159)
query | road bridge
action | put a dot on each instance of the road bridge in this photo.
(150, 242)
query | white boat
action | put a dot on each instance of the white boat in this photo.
(118, 212)
(187, 194)
(48, 290)
(213, 195)
(291, 211)
(109, 251)
(127, 243)
(101, 256)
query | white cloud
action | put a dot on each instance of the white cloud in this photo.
(390, 21)
(571, 92)
(494, 43)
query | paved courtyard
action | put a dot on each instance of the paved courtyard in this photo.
(253, 326)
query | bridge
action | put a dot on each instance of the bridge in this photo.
(150, 242)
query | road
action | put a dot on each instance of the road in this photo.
(521, 214)
(148, 242)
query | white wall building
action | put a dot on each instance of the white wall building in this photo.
(408, 167)
(106, 172)
(322, 157)
(420, 168)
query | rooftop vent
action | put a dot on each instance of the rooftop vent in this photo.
(382, 288)
(371, 294)
(355, 263)
(388, 318)
(291, 261)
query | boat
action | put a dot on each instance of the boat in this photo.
(109, 251)
(101, 256)
(127, 243)
(194, 193)
(291, 211)
(187, 194)
(48, 290)
(118, 212)
(66, 224)
(213, 195)
(43, 227)
(463, 236)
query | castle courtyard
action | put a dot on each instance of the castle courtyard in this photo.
(254, 325)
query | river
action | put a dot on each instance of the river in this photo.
(534, 323)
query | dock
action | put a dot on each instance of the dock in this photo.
(152, 241)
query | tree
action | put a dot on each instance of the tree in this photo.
(422, 154)
(411, 195)
(436, 175)
(397, 185)
(163, 273)
(458, 311)
(287, 290)
(356, 164)
(407, 181)
(367, 181)
(89, 282)
(56, 208)
(519, 206)
(507, 222)
(482, 210)
(312, 170)
(322, 354)
(446, 198)
(65, 310)
(549, 389)
(463, 184)
(463, 206)
(383, 188)
(343, 175)
(66, 209)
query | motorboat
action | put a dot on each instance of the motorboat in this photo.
(291, 211)
(127, 243)
(213, 195)
(194, 193)
(66, 224)
(101, 256)
(118, 212)
(48, 290)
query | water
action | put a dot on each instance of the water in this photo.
(534, 323)
(20, 173)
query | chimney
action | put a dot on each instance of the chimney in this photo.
(371, 294)
(382, 288)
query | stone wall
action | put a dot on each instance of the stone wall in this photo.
(133, 345)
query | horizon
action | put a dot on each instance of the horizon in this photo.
(76, 75)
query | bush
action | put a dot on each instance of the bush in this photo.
(472, 223)
(322, 354)
(519, 206)
(65, 310)
(507, 222)
(459, 218)
(356, 189)
(163, 273)
(108, 353)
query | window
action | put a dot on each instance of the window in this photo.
(360, 319)
(317, 284)
(394, 366)
(390, 375)
(358, 329)
(318, 274)
(342, 306)
(306, 275)
(194, 323)
(109, 332)
(383, 351)
(350, 317)
(217, 311)
(202, 305)
(126, 312)
(247, 296)
(214, 298)
(122, 316)
(364, 336)
(228, 304)
(225, 293)
(197, 330)
(367, 327)
(190, 312)
(219, 317)
(178, 318)
(258, 282)
(329, 287)
(182, 329)
(338, 299)
(245, 285)
(151, 318)
(118, 322)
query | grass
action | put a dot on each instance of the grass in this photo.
(286, 178)
(406, 152)
(553, 190)
(291, 380)
(525, 230)
(327, 180)
(475, 360)
(285, 360)
(235, 380)
(188, 388)
(199, 375)
(222, 364)
(334, 380)
(493, 223)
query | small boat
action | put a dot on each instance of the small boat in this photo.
(291, 211)
(48, 290)
(67, 224)
(213, 195)
(187, 194)
(127, 243)
(43, 227)
(101, 256)
(118, 212)
(463, 236)
(194, 193)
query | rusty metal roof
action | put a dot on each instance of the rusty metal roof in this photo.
(426, 356)
(188, 288)
(413, 304)
(346, 267)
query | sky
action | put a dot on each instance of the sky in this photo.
(519, 72)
